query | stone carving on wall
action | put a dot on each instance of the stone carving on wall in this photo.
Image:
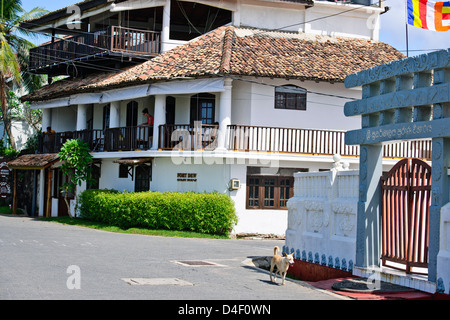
(295, 215)
(344, 217)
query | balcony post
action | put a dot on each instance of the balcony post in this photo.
(159, 118)
(81, 117)
(114, 115)
(165, 34)
(46, 119)
(224, 115)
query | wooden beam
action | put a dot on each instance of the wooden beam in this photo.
(14, 208)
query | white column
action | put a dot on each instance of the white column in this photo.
(114, 115)
(46, 119)
(159, 118)
(41, 199)
(165, 33)
(82, 117)
(224, 114)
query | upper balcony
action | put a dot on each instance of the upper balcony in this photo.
(239, 138)
(52, 58)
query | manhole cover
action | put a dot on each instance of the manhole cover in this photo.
(156, 282)
(364, 285)
(196, 263)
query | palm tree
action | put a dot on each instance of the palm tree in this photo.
(14, 51)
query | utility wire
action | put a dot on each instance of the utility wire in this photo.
(190, 69)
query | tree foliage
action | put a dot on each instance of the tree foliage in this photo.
(14, 55)
(75, 158)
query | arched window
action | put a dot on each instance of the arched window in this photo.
(290, 97)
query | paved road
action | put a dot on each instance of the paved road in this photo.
(35, 257)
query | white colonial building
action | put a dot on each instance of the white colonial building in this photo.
(242, 94)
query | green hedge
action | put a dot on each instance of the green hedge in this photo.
(211, 213)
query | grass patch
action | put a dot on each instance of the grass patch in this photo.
(5, 210)
(106, 227)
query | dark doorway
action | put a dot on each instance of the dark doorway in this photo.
(143, 176)
(58, 181)
(132, 114)
(170, 110)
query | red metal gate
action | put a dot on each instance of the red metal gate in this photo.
(405, 202)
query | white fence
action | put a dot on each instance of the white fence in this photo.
(322, 218)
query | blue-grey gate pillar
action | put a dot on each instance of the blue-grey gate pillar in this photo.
(405, 99)
(368, 219)
(439, 197)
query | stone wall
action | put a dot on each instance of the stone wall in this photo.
(322, 217)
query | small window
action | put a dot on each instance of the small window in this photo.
(123, 170)
(290, 97)
(269, 189)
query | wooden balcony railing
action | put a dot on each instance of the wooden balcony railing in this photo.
(114, 39)
(239, 138)
(113, 139)
(314, 141)
(187, 137)
(128, 138)
(53, 142)
(288, 140)
(135, 41)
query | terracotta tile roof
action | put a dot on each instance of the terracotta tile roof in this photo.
(33, 161)
(241, 52)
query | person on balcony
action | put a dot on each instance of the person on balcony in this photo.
(49, 140)
(149, 117)
(148, 123)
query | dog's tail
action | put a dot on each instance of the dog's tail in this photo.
(275, 249)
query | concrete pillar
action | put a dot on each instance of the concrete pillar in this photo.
(165, 33)
(159, 118)
(224, 115)
(82, 117)
(41, 199)
(114, 117)
(368, 241)
(439, 198)
(46, 119)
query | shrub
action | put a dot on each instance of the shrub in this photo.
(212, 213)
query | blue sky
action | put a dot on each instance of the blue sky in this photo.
(393, 30)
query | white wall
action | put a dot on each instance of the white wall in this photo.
(324, 18)
(64, 119)
(322, 215)
(254, 104)
(272, 17)
(21, 131)
(209, 178)
(110, 177)
(328, 19)
(443, 258)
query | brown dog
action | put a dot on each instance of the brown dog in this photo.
(282, 264)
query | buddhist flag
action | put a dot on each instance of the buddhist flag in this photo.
(430, 15)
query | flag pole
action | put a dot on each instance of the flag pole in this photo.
(407, 44)
(406, 27)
